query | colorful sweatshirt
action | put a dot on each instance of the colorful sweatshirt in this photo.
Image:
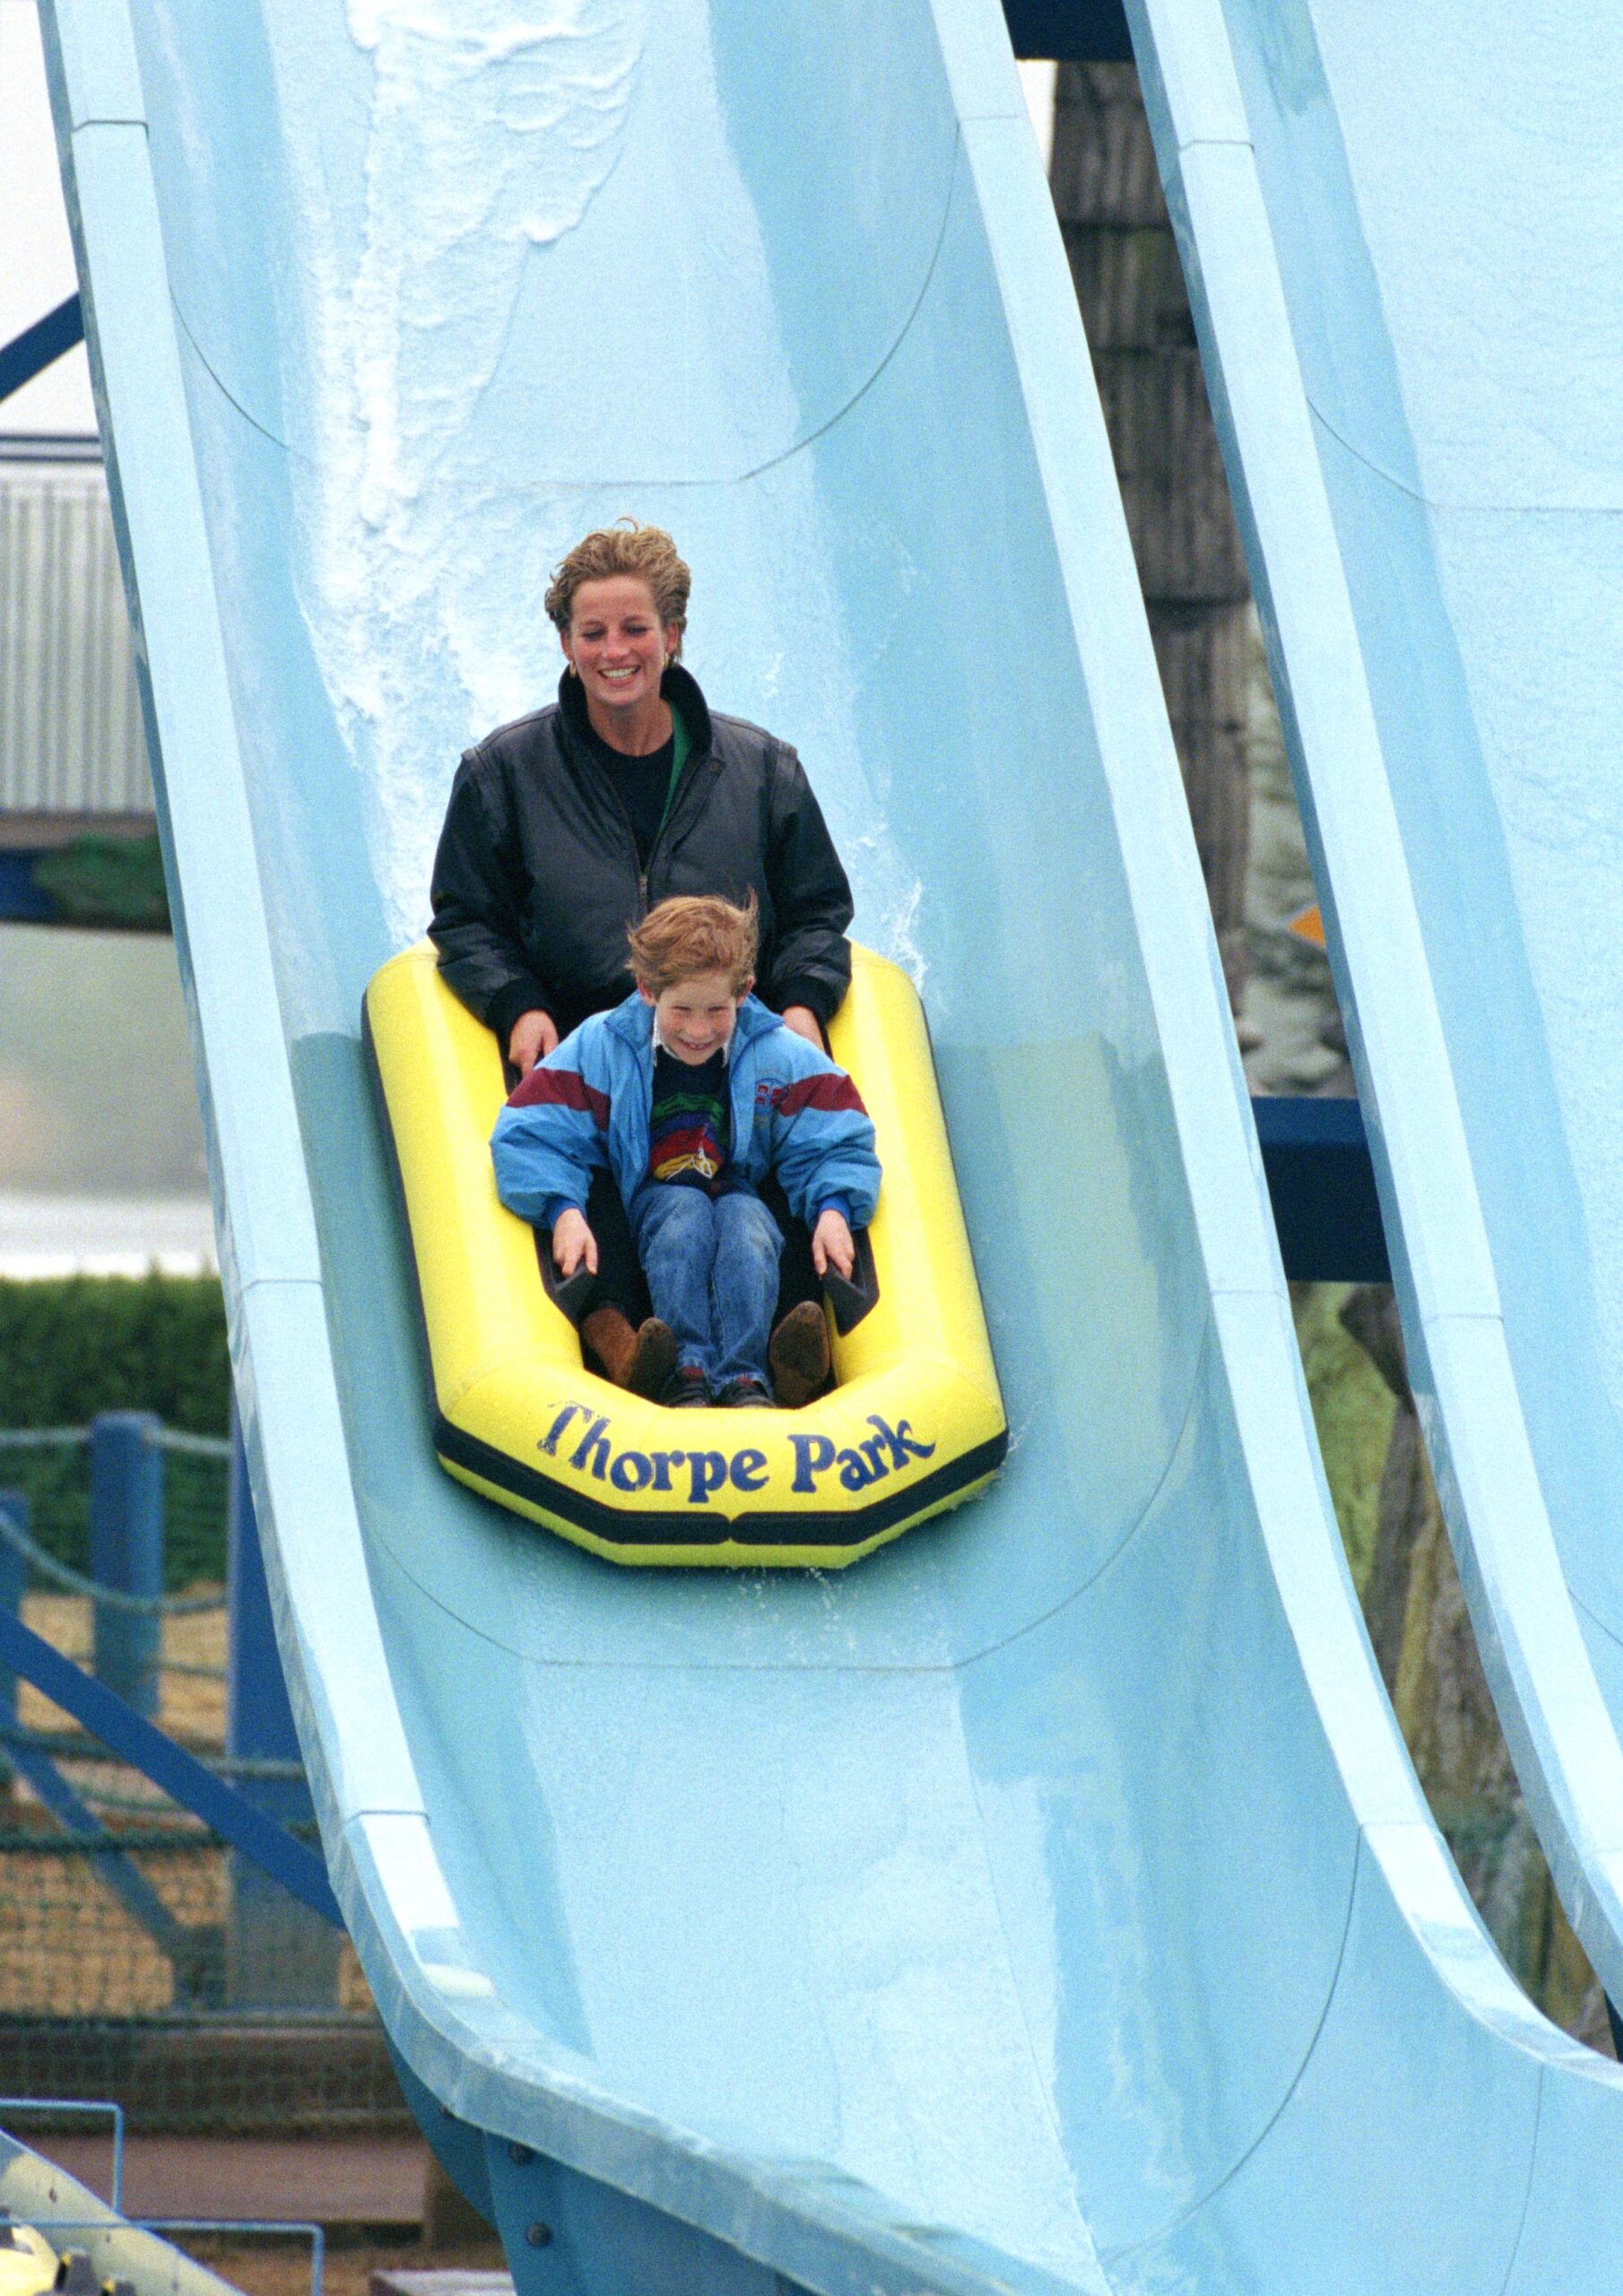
(587, 1105)
(690, 1124)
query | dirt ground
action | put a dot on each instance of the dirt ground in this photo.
(191, 1707)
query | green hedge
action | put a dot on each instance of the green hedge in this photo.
(107, 881)
(71, 1348)
(115, 1342)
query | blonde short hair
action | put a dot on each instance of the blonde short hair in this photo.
(693, 934)
(646, 553)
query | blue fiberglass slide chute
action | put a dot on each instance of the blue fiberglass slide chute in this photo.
(1045, 1903)
(1396, 291)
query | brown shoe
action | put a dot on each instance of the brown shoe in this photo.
(799, 1355)
(640, 1360)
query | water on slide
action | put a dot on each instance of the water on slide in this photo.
(1047, 1902)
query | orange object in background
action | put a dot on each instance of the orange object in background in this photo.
(1309, 925)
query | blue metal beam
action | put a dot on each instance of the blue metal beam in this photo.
(1322, 1185)
(280, 1955)
(258, 1718)
(1072, 31)
(31, 1762)
(231, 1814)
(567, 2234)
(21, 900)
(126, 1551)
(39, 346)
(127, 1882)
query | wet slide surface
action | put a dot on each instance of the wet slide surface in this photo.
(1045, 1903)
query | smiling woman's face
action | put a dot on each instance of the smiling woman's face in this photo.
(617, 642)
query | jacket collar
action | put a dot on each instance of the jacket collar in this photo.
(678, 686)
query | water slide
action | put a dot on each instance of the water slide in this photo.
(1047, 1902)
(1397, 225)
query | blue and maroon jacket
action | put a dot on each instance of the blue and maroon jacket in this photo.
(587, 1104)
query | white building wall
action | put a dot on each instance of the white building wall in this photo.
(71, 738)
(69, 725)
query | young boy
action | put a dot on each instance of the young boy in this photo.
(690, 1093)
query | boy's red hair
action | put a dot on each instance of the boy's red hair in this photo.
(693, 933)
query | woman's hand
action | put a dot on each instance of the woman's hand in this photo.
(534, 1035)
(572, 1240)
(830, 1243)
(804, 1023)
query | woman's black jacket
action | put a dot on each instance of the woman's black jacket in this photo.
(537, 875)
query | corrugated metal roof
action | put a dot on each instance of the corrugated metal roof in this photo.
(71, 738)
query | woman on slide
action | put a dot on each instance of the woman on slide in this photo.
(567, 826)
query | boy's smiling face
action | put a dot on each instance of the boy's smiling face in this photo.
(696, 1017)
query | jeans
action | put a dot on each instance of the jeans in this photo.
(620, 1277)
(712, 1267)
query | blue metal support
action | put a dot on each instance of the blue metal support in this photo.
(1321, 1183)
(1072, 31)
(278, 1953)
(13, 1579)
(127, 1551)
(21, 900)
(129, 1735)
(456, 2145)
(259, 1720)
(39, 346)
(127, 1882)
(568, 2235)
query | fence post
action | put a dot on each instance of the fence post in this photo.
(279, 1954)
(127, 1551)
(13, 1580)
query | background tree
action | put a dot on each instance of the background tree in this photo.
(1107, 194)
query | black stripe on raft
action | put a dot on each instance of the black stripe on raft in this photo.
(617, 1526)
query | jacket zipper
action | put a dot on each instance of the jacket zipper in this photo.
(619, 804)
(643, 874)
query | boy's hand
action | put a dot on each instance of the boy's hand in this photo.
(831, 1243)
(573, 1242)
(533, 1036)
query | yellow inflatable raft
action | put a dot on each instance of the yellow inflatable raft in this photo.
(914, 1424)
